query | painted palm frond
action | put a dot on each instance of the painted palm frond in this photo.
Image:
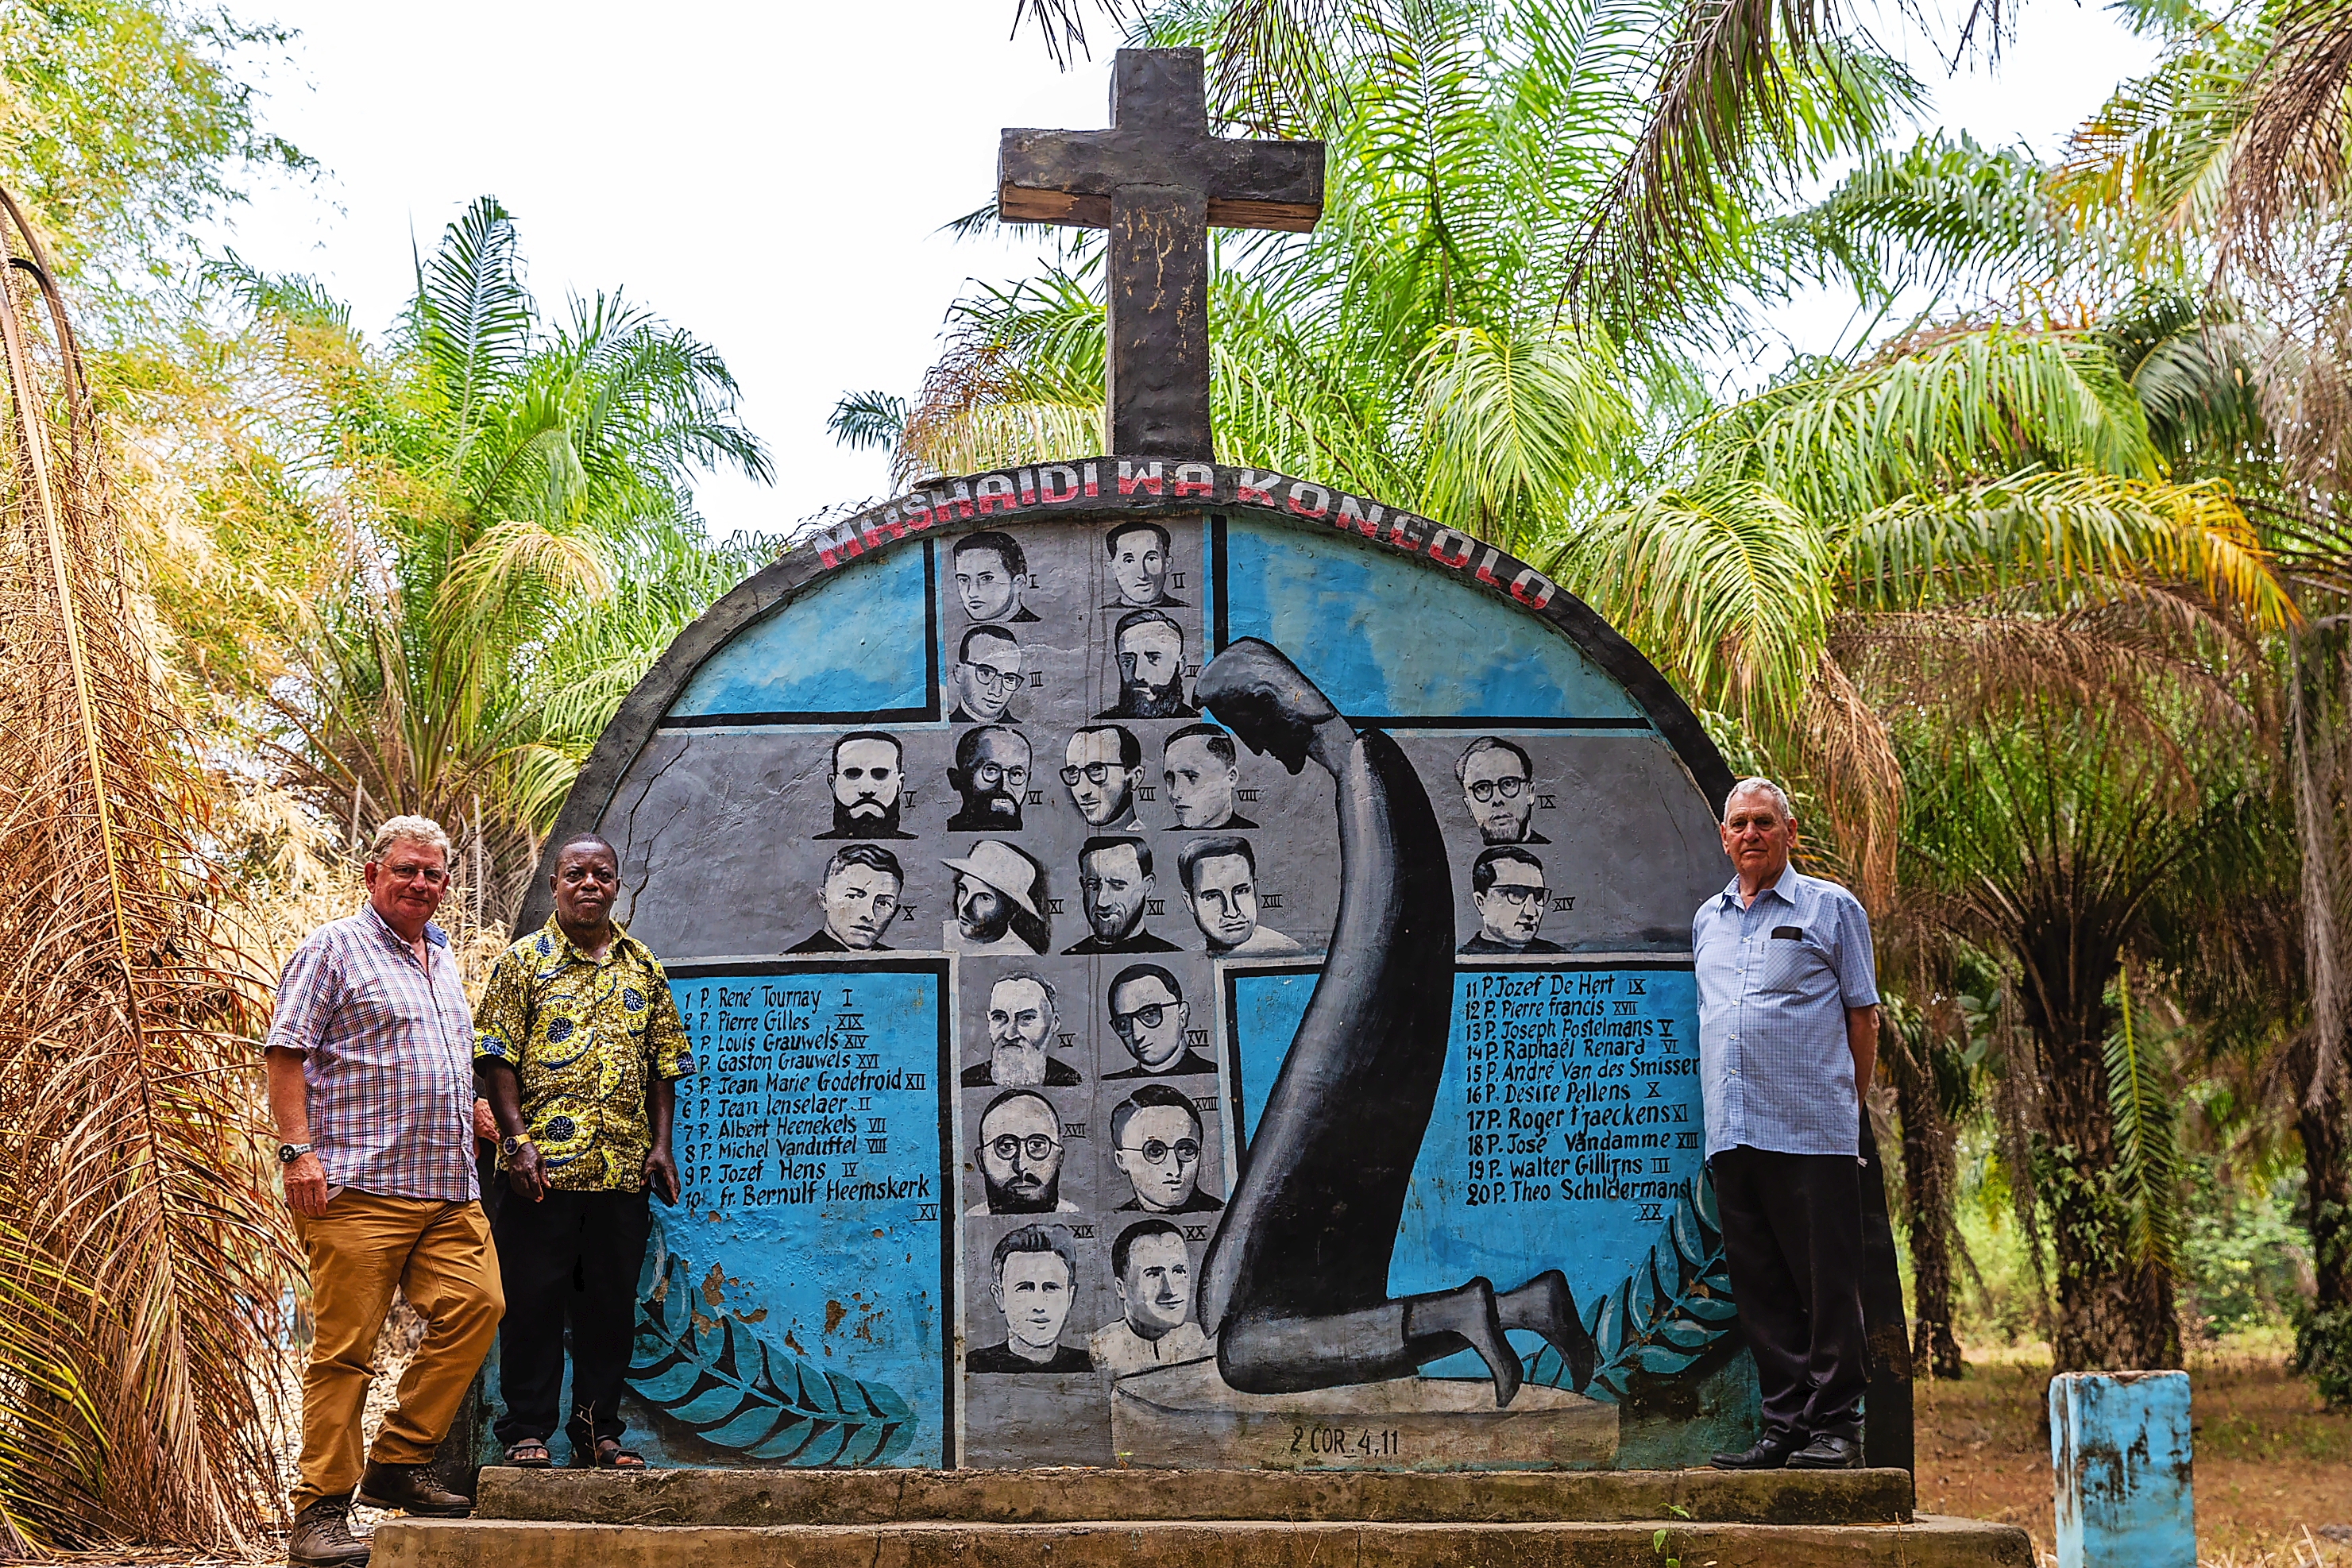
(1673, 1308)
(719, 1379)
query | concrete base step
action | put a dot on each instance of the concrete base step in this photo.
(1928, 1541)
(759, 1499)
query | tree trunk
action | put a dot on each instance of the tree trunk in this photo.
(2114, 1314)
(2326, 1181)
(1928, 1191)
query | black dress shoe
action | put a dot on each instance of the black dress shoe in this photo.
(1772, 1451)
(1828, 1453)
(412, 1490)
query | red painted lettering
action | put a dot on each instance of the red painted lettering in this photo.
(1352, 511)
(1253, 488)
(1130, 481)
(1299, 491)
(1439, 552)
(1193, 480)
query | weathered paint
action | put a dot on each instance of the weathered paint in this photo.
(818, 1296)
(2119, 1452)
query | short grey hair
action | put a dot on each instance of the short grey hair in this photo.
(408, 830)
(1760, 786)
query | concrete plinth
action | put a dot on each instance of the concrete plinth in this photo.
(1926, 1542)
(1209, 1519)
(1186, 1417)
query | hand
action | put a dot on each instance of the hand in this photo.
(306, 1186)
(486, 1126)
(524, 1172)
(661, 1175)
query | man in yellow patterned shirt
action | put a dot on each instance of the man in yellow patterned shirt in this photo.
(579, 1046)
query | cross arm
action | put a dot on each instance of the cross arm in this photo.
(1068, 176)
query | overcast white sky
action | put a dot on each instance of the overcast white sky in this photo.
(773, 176)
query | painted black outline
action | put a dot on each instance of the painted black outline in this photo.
(940, 969)
(875, 718)
(995, 500)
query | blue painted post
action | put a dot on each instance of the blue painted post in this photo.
(2119, 1446)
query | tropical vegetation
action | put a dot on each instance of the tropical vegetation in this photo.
(2033, 585)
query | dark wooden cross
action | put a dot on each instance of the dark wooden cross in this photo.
(1157, 180)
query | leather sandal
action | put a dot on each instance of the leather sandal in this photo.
(611, 1455)
(528, 1454)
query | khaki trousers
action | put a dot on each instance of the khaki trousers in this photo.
(440, 1256)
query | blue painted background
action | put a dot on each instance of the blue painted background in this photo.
(844, 647)
(1335, 607)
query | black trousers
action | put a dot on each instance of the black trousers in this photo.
(1792, 1236)
(571, 1257)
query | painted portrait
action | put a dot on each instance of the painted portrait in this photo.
(984, 678)
(1033, 1281)
(1116, 887)
(1506, 886)
(999, 902)
(860, 897)
(991, 576)
(1220, 879)
(1201, 767)
(1151, 1270)
(1156, 1144)
(1148, 646)
(1149, 1015)
(1020, 1156)
(1102, 768)
(989, 775)
(867, 776)
(1020, 1018)
(1497, 781)
(1139, 559)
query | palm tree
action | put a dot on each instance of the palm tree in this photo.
(522, 538)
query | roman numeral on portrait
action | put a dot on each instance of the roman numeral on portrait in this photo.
(1032, 797)
(1065, 1038)
(1196, 1233)
(1249, 794)
(1271, 900)
(1566, 903)
(1037, 680)
(1083, 1232)
(1074, 1128)
(1196, 1037)
(1204, 1102)
(1053, 906)
(1146, 792)
(1175, 579)
(1546, 803)
(1155, 906)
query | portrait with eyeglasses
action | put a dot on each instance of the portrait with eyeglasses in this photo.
(1158, 1145)
(1506, 885)
(1101, 768)
(1148, 1016)
(985, 677)
(1499, 787)
(990, 775)
(1019, 1151)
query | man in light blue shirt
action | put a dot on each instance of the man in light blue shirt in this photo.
(1788, 1028)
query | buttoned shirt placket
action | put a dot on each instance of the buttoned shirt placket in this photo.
(460, 1059)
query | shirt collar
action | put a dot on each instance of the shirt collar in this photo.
(433, 933)
(572, 953)
(1785, 885)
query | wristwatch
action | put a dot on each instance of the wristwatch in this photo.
(512, 1141)
(289, 1152)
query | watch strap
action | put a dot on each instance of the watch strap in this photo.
(289, 1152)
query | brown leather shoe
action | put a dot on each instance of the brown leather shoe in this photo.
(412, 1490)
(322, 1538)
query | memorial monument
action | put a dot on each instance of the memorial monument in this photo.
(1187, 966)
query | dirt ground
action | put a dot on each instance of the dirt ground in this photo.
(2274, 1470)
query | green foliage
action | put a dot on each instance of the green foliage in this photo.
(2140, 1102)
(2240, 1249)
(126, 123)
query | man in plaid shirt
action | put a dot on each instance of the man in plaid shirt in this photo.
(1788, 1035)
(372, 1087)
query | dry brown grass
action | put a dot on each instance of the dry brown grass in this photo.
(2273, 1469)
